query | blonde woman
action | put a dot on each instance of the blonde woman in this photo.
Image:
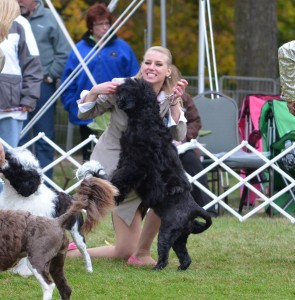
(133, 243)
(9, 11)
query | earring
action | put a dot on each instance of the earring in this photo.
(168, 77)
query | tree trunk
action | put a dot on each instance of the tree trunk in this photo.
(256, 38)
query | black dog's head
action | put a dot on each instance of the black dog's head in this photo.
(22, 171)
(136, 94)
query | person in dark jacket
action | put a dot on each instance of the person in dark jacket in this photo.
(190, 159)
(54, 49)
(115, 59)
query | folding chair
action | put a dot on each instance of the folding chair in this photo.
(278, 128)
(250, 114)
(249, 130)
(220, 115)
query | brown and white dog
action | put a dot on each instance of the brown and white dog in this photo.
(24, 190)
(44, 241)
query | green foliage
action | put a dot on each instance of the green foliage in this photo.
(231, 260)
(286, 21)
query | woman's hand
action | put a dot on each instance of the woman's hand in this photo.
(178, 91)
(2, 155)
(179, 88)
(291, 107)
(27, 108)
(106, 88)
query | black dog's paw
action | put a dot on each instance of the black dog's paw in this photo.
(184, 265)
(160, 266)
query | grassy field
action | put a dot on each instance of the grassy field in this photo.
(232, 260)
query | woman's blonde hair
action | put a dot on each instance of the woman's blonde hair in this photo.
(9, 11)
(174, 76)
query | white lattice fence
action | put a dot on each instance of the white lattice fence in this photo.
(68, 156)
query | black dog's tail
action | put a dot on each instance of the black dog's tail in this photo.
(199, 227)
(96, 196)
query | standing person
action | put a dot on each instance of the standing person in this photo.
(9, 11)
(20, 80)
(286, 55)
(190, 159)
(115, 59)
(132, 242)
(54, 49)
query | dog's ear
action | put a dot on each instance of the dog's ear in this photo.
(29, 184)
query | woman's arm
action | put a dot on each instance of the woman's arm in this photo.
(106, 88)
(99, 96)
(175, 107)
(178, 130)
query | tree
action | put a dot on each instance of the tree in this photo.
(256, 38)
(245, 31)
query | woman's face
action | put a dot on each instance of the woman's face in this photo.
(100, 28)
(155, 69)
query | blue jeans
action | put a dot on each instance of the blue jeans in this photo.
(43, 151)
(10, 130)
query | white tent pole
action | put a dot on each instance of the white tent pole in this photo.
(212, 46)
(201, 57)
(66, 33)
(112, 5)
(203, 19)
(207, 49)
(78, 69)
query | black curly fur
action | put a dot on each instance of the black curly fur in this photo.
(31, 179)
(150, 165)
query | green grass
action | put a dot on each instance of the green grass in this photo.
(231, 260)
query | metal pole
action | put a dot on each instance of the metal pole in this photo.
(163, 23)
(150, 25)
(201, 65)
(212, 47)
(72, 44)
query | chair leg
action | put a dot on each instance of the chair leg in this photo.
(242, 200)
(271, 188)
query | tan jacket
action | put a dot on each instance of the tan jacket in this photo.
(107, 149)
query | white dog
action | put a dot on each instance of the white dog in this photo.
(24, 190)
(44, 239)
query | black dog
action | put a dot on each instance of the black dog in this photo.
(149, 164)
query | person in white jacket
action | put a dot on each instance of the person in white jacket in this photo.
(9, 11)
(20, 80)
